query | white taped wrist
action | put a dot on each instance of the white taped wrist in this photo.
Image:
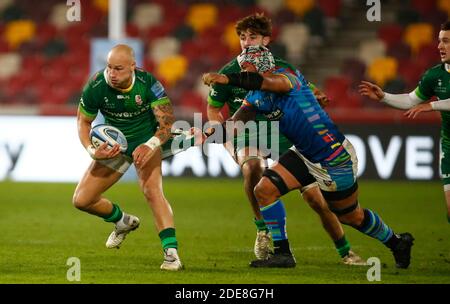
(386, 97)
(401, 101)
(153, 143)
(91, 150)
(441, 105)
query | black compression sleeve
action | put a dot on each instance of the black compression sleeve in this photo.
(245, 80)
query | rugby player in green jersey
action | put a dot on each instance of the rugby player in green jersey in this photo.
(434, 82)
(257, 30)
(136, 103)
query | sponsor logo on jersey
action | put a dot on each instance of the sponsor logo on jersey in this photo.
(439, 88)
(138, 99)
(238, 91)
(128, 114)
(107, 104)
(275, 115)
(96, 81)
(123, 96)
(158, 90)
(238, 100)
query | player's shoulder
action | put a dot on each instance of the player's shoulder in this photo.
(436, 70)
(285, 67)
(230, 67)
(97, 79)
(280, 62)
(144, 76)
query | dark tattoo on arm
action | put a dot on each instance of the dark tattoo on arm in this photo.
(165, 118)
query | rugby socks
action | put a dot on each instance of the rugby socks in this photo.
(115, 215)
(374, 226)
(260, 225)
(275, 219)
(168, 239)
(342, 246)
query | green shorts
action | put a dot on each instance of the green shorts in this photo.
(445, 161)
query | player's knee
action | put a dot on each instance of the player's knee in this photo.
(315, 200)
(152, 193)
(265, 192)
(354, 218)
(80, 202)
(252, 169)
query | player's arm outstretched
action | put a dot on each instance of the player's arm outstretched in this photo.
(410, 102)
(84, 128)
(398, 101)
(251, 81)
(165, 118)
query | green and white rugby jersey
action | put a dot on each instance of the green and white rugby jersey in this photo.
(129, 110)
(436, 82)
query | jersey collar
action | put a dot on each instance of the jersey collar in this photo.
(447, 67)
(121, 90)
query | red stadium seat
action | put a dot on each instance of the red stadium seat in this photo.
(390, 34)
(424, 7)
(337, 89)
(410, 72)
(428, 55)
(399, 51)
(352, 100)
(354, 69)
(195, 102)
(331, 8)
(132, 30)
(45, 33)
(229, 13)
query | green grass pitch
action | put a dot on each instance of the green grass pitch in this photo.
(40, 230)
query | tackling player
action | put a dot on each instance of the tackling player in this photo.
(321, 160)
(257, 30)
(136, 103)
(434, 82)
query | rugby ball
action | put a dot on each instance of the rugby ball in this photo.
(106, 133)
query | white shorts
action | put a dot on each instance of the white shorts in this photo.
(334, 178)
(120, 163)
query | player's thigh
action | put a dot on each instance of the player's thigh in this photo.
(289, 173)
(98, 178)
(244, 154)
(150, 176)
(445, 164)
(251, 161)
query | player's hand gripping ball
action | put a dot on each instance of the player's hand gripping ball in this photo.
(106, 133)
